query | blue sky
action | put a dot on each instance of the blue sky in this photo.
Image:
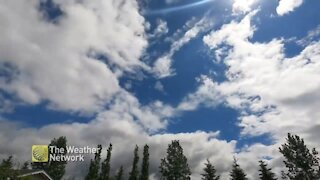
(242, 73)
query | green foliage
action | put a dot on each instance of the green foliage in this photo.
(300, 162)
(55, 169)
(175, 165)
(105, 166)
(237, 173)
(265, 172)
(93, 173)
(134, 174)
(209, 172)
(25, 165)
(26, 178)
(119, 174)
(145, 164)
(6, 169)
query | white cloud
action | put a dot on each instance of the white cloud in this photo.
(243, 6)
(161, 29)
(159, 86)
(124, 134)
(206, 95)
(286, 6)
(152, 117)
(226, 34)
(125, 124)
(122, 130)
(57, 63)
(50, 62)
(6, 105)
(274, 93)
(162, 66)
(310, 38)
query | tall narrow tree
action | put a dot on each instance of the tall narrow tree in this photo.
(94, 167)
(6, 169)
(300, 162)
(56, 169)
(175, 165)
(144, 175)
(134, 174)
(237, 172)
(119, 174)
(105, 166)
(209, 172)
(265, 172)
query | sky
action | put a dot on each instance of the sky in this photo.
(228, 78)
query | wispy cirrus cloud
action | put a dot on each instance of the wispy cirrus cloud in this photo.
(163, 65)
(310, 38)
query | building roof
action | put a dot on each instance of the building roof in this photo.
(28, 172)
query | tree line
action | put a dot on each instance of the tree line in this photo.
(300, 162)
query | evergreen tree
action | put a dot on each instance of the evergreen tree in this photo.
(6, 169)
(134, 174)
(119, 174)
(237, 172)
(56, 169)
(25, 165)
(265, 172)
(105, 166)
(300, 162)
(209, 172)
(145, 164)
(175, 165)
(94, 167)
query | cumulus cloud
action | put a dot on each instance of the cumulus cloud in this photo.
(120, 128)
(226, 34)
(6, 106)
(58, 62)
(206, 95)
(275, 94)
(124, 134)
(262, 79)
(162, 67)
(286, 6)
(243, 6)
(125, 123)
